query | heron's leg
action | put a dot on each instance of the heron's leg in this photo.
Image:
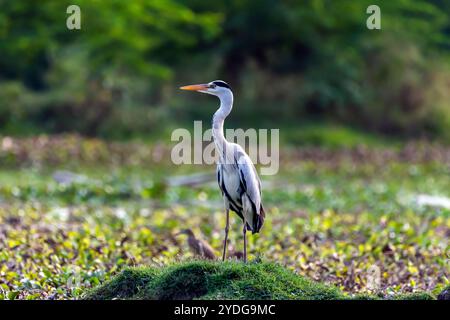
(225, 242)
(244, 231)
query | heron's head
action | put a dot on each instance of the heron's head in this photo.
(217, 88)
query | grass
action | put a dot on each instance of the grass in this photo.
(332, 217)
(212, 280)
(228, 280)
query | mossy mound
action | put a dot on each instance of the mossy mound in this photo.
(212, 280)
(218, 280)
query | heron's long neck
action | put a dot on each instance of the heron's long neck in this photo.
(226, 104)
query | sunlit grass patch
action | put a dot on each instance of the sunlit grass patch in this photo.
(213, 280)
(255, 280)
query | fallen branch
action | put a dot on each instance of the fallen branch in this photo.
(190, 180)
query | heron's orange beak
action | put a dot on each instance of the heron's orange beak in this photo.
(195, 87)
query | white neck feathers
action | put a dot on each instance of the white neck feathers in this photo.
(226, 104)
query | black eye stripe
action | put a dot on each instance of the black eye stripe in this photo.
(221, 84)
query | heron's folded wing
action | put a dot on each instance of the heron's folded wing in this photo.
(249, 179)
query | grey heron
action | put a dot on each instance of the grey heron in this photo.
(236, 174)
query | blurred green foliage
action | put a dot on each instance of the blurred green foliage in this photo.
(118, 75)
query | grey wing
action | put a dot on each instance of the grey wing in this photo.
(251, 197)
(230, 203)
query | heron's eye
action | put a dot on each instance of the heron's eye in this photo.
(213, 86)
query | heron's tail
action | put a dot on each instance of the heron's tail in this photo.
(259, 221)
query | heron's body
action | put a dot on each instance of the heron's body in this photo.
(241, 190)
(236, 174)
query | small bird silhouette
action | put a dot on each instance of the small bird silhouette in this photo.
(199, 247)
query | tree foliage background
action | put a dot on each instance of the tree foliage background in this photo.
(300, 61)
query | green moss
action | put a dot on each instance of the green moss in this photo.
(221, 280)
(213, 280)
(129, 284)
